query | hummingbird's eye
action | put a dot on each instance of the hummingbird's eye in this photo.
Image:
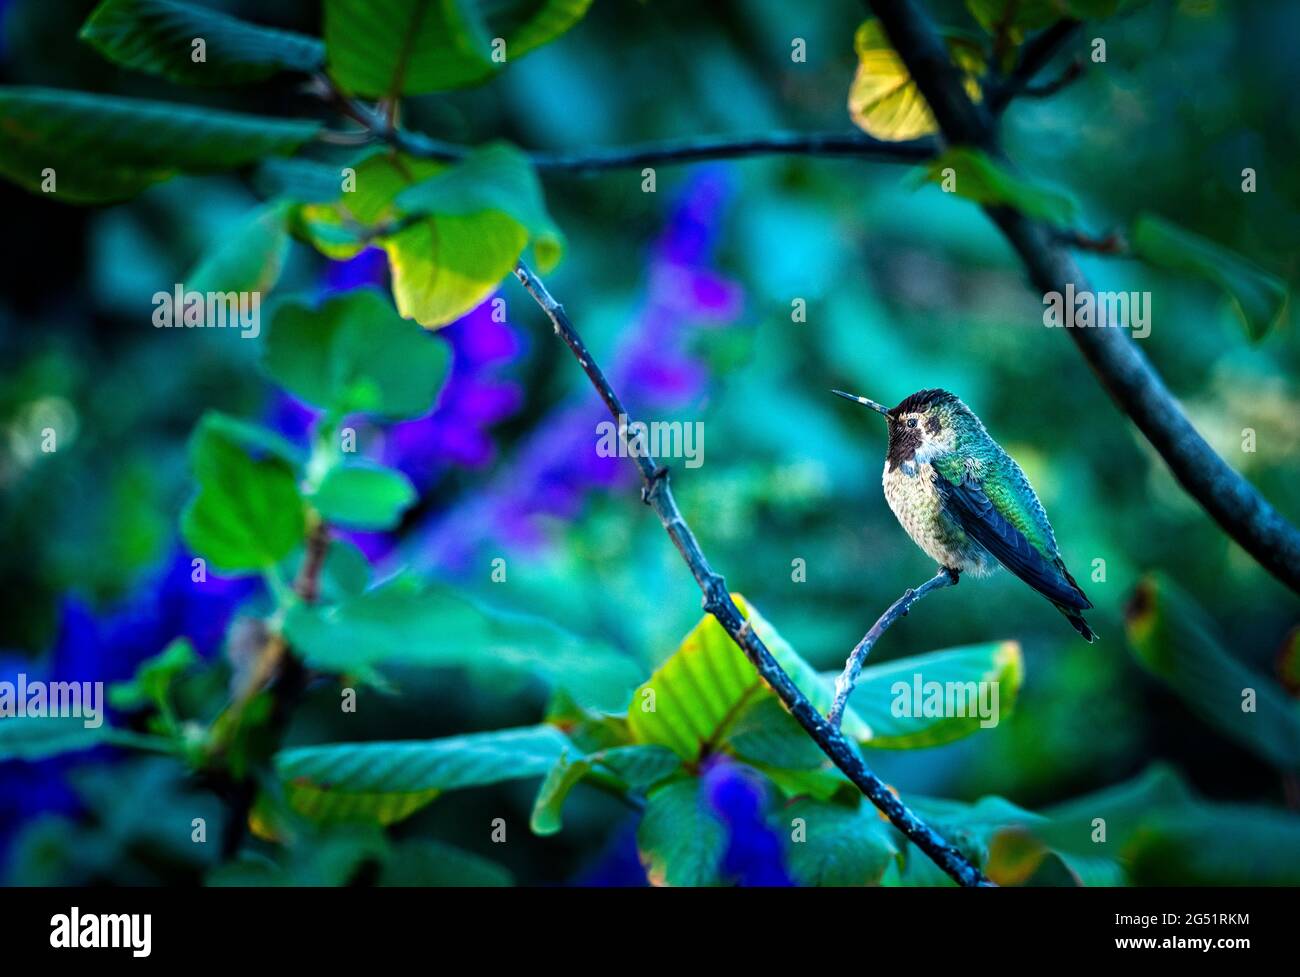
(911, 422)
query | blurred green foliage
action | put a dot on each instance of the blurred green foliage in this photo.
(482, 699)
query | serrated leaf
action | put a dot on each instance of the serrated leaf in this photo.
(680, 840)
(1172, 638)
(382, 48)
(248, 259)
(884, 102)
(409, 623)
(246, 514)
(1259, 298)
(950, 681)
(638, 766)
(703, 688)
(837, 845)
(355, 354)
(977, 177)
(386, 781)
(37, 737)
(103, 148)
(157, 36)
(363, 495)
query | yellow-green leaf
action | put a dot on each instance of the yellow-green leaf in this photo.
(883, 100)
(693, 701)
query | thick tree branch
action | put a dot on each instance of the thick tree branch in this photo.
(853, 665)
(1115, 358)
(656, 493)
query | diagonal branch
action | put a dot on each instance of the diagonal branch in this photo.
(656, 493)
(899, 608)
(1121, 367)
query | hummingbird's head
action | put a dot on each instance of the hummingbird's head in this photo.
(921, 428)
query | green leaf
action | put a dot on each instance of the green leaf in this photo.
(1019, 16)
(256, 440)
(1099, 9)
(700, 692)
(1217, 844)
(363, 495)
(494, 178)
(884, 101)
(387, 781)
(767, 735)
(354, 353)
(103, 148)
(560, 780)
(381, 48)
(246, 514)
(1259, 299)
(154, 678)
(157, 36)
(957, 680)
(305, 180)
(835, 845)
(443, 265)
(979, 178)
(405, 622)
(249, 258)
(1174, 640)
(681, 841)
(637, 766)
(421, 861)
(1072, 826)
(38, 737)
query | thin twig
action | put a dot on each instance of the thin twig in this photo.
(1034, 56)
(1115, 358)
(857, 145)
(717, 601)
(1072, 73)
(853, 665)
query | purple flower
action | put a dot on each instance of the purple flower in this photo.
(739, 797)
(109, 649)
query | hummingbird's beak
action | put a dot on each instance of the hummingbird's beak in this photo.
(880, 408)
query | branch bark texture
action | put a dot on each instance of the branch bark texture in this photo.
(1117, 361)
(657, 494)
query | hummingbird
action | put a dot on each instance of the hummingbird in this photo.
(966, 502)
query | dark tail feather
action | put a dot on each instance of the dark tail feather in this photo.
(1078, 623)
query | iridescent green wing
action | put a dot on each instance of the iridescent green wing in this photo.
(1031, 554)
(1009, 491)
